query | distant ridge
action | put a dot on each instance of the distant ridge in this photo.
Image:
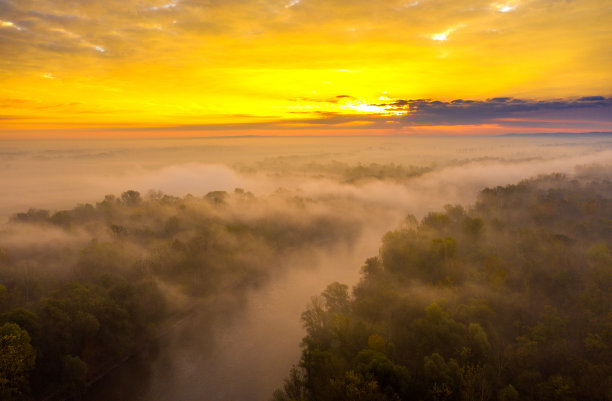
(564, 134)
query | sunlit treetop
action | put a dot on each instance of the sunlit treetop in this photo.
(295, 64)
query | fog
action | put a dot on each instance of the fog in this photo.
(328, 201)
(59, 174)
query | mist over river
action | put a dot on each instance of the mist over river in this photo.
(239, 344)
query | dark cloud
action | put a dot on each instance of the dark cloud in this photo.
(583, 114)
(592, 99)
(500, 99)
(459, 111)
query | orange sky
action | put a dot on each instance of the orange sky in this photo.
(194, 67)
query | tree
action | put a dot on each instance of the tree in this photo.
(508, 393)
(294, 387)
(74, 375)
(17, 359)
(336, 297)
(131, 198)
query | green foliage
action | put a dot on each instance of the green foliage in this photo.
(26, 319)
(294, 387)
(336, 297)
(355, 386)
(508, 393)
(17, 358)
(391, 378)
(441, 377)
(95, 284)
(510, 299)
(74, 376)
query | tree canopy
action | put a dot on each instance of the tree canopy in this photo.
(509, 299)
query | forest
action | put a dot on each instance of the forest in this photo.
(508, 299)
(83, 289)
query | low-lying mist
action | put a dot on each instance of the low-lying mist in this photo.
(58, 174)
(232, 236)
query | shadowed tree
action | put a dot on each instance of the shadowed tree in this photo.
(17, 359)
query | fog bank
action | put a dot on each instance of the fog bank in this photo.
(313, 211)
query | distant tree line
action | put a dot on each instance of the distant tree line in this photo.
(339, 171)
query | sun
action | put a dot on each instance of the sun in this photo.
(360, 107)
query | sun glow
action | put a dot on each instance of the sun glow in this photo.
(506, 7)
(172, 63)
(10, 24)
(369, 108)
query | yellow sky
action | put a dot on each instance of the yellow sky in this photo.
(151, 63)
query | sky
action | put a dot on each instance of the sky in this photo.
(303, 67)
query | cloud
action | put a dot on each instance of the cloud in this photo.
(589, 113)
(459, 111)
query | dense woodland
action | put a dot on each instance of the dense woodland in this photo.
(82, 289)
(510, 299)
